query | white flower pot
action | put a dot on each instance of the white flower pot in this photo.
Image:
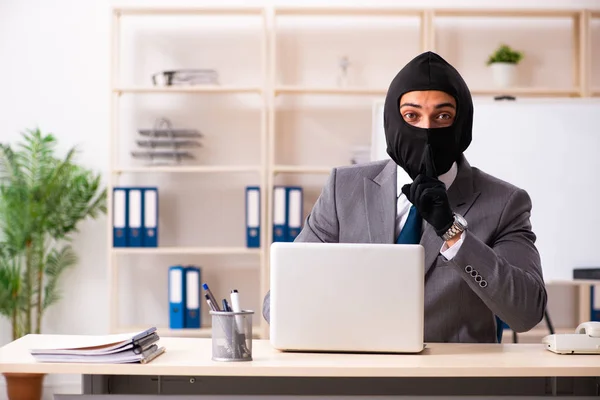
(504, 74)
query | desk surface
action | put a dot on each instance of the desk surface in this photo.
(192, 357)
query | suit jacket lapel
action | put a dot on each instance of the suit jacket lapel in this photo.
(380, 205)
(461, 195)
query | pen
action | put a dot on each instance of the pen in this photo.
(235, 300)
(210, 303)
(239, 321)
(226, 305)
(235, 305)
(212, 298)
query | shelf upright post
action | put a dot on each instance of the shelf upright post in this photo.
(582, 52)
(113, 151)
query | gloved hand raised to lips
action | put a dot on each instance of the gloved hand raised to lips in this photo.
(428, 194)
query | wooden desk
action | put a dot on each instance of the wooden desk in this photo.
(192, 357)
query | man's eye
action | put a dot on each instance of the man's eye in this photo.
(444, 116)
(409, 115)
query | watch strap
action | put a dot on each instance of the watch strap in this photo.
(454, 230)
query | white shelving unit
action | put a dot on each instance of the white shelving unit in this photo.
(118, 89)
(273, 88)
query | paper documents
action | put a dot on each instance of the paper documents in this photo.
(139, 347)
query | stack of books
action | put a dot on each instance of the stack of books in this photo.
(139, 347)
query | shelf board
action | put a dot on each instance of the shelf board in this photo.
(323, 90)
(204, 332)
(188, 11)
(189, 169)
(347, 11)
(572, 282)
(187, 250)
(187, 89)
(515, 12)
(358, 91)
(525, 91)
(302, 169)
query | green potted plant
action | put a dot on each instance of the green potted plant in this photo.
(42, 200)
(503, 63)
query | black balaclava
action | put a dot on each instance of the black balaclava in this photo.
(407, 144)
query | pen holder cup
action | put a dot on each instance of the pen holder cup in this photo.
(232, 335)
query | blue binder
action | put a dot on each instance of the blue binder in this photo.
(595, 303)
(177, 297)
(192, 297)
(150, 220)
(294, 214)
(134, 217)
(120, 196)
(253, 216)
(279, 214)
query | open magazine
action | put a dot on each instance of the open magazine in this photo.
(141, 347)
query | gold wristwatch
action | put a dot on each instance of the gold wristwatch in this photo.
(459, 225)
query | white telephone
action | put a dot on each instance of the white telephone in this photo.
(585, 340)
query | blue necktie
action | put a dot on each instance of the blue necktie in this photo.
(411, 231)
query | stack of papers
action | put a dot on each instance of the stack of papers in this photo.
(141, 347)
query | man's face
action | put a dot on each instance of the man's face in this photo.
(428, 108)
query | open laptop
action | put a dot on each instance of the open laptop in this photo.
(342, 297)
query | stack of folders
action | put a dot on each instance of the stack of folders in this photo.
(141, 347)
(287, 214)
(135, 217)
(184, 297)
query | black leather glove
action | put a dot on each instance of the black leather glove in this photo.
(428, 194)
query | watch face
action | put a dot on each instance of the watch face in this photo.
(460, 220)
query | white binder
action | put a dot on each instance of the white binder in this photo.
(294, 220)
(135, 218)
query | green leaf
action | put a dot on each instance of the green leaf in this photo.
(505, 53)
(57, 262)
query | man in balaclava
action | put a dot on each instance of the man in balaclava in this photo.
(481, 263)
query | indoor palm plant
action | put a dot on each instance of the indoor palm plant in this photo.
(503, 63)
(43, 197)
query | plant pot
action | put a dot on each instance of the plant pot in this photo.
(504, 74)
(24, 386)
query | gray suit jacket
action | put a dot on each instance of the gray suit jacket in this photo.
(496, 272)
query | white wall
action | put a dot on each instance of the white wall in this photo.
(55, 75)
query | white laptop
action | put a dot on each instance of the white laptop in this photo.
(341, 297)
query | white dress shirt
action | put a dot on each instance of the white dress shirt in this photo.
(403, 206)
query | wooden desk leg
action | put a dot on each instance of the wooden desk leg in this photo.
(24, 386)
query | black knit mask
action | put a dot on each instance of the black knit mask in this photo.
(408, 144)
